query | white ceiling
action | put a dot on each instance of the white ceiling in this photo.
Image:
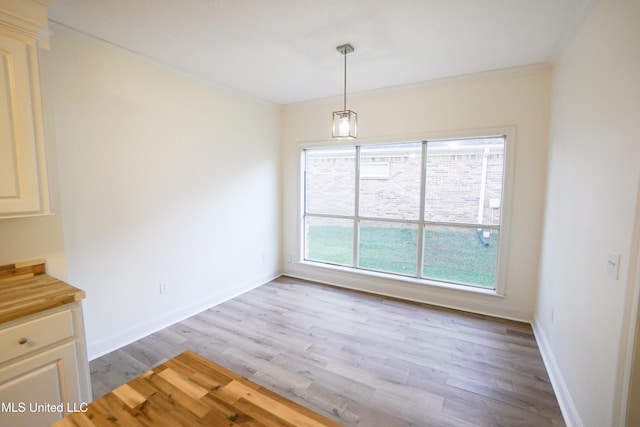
(284, 51)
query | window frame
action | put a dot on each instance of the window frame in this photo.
(509, 133)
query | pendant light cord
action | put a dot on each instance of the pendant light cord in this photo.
(345, 79)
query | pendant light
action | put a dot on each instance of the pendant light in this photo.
(345, 122)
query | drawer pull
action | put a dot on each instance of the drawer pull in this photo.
(23, 341)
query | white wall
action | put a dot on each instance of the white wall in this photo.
(162, 179)
(24, 239)
(517, 98)
(594, 170)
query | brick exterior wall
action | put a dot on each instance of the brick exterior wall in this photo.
(453, 186)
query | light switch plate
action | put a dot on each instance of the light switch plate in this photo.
(613, 264)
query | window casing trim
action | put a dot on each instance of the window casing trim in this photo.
(509, 133)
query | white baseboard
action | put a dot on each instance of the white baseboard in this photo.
(568, 408)
(108, 344)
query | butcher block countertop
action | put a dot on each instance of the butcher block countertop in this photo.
(25, 289)
(190, 390)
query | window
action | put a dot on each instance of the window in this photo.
(430, 210)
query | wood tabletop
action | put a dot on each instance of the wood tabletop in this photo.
(190, 390)
(26, 289)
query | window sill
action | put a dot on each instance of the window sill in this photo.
(355, 272)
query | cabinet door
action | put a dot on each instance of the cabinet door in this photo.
(22, 171)
(39, 390)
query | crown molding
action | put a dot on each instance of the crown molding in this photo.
(26, 18)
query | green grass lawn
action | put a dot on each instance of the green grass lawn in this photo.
(450, 254)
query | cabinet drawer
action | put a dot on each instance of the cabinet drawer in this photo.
(35, 334)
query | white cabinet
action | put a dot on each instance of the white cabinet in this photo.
(23, 176)
(44, 372)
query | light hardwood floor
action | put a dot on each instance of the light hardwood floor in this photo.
(360, 359)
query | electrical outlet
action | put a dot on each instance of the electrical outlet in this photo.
(288, 259)
(164, 288)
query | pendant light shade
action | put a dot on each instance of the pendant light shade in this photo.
(345, 122)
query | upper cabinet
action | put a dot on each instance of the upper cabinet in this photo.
(23, 175)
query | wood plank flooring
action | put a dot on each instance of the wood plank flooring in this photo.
(192, 391)
(359, 359)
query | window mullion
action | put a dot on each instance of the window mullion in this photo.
(356, 212)
(423, 183)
